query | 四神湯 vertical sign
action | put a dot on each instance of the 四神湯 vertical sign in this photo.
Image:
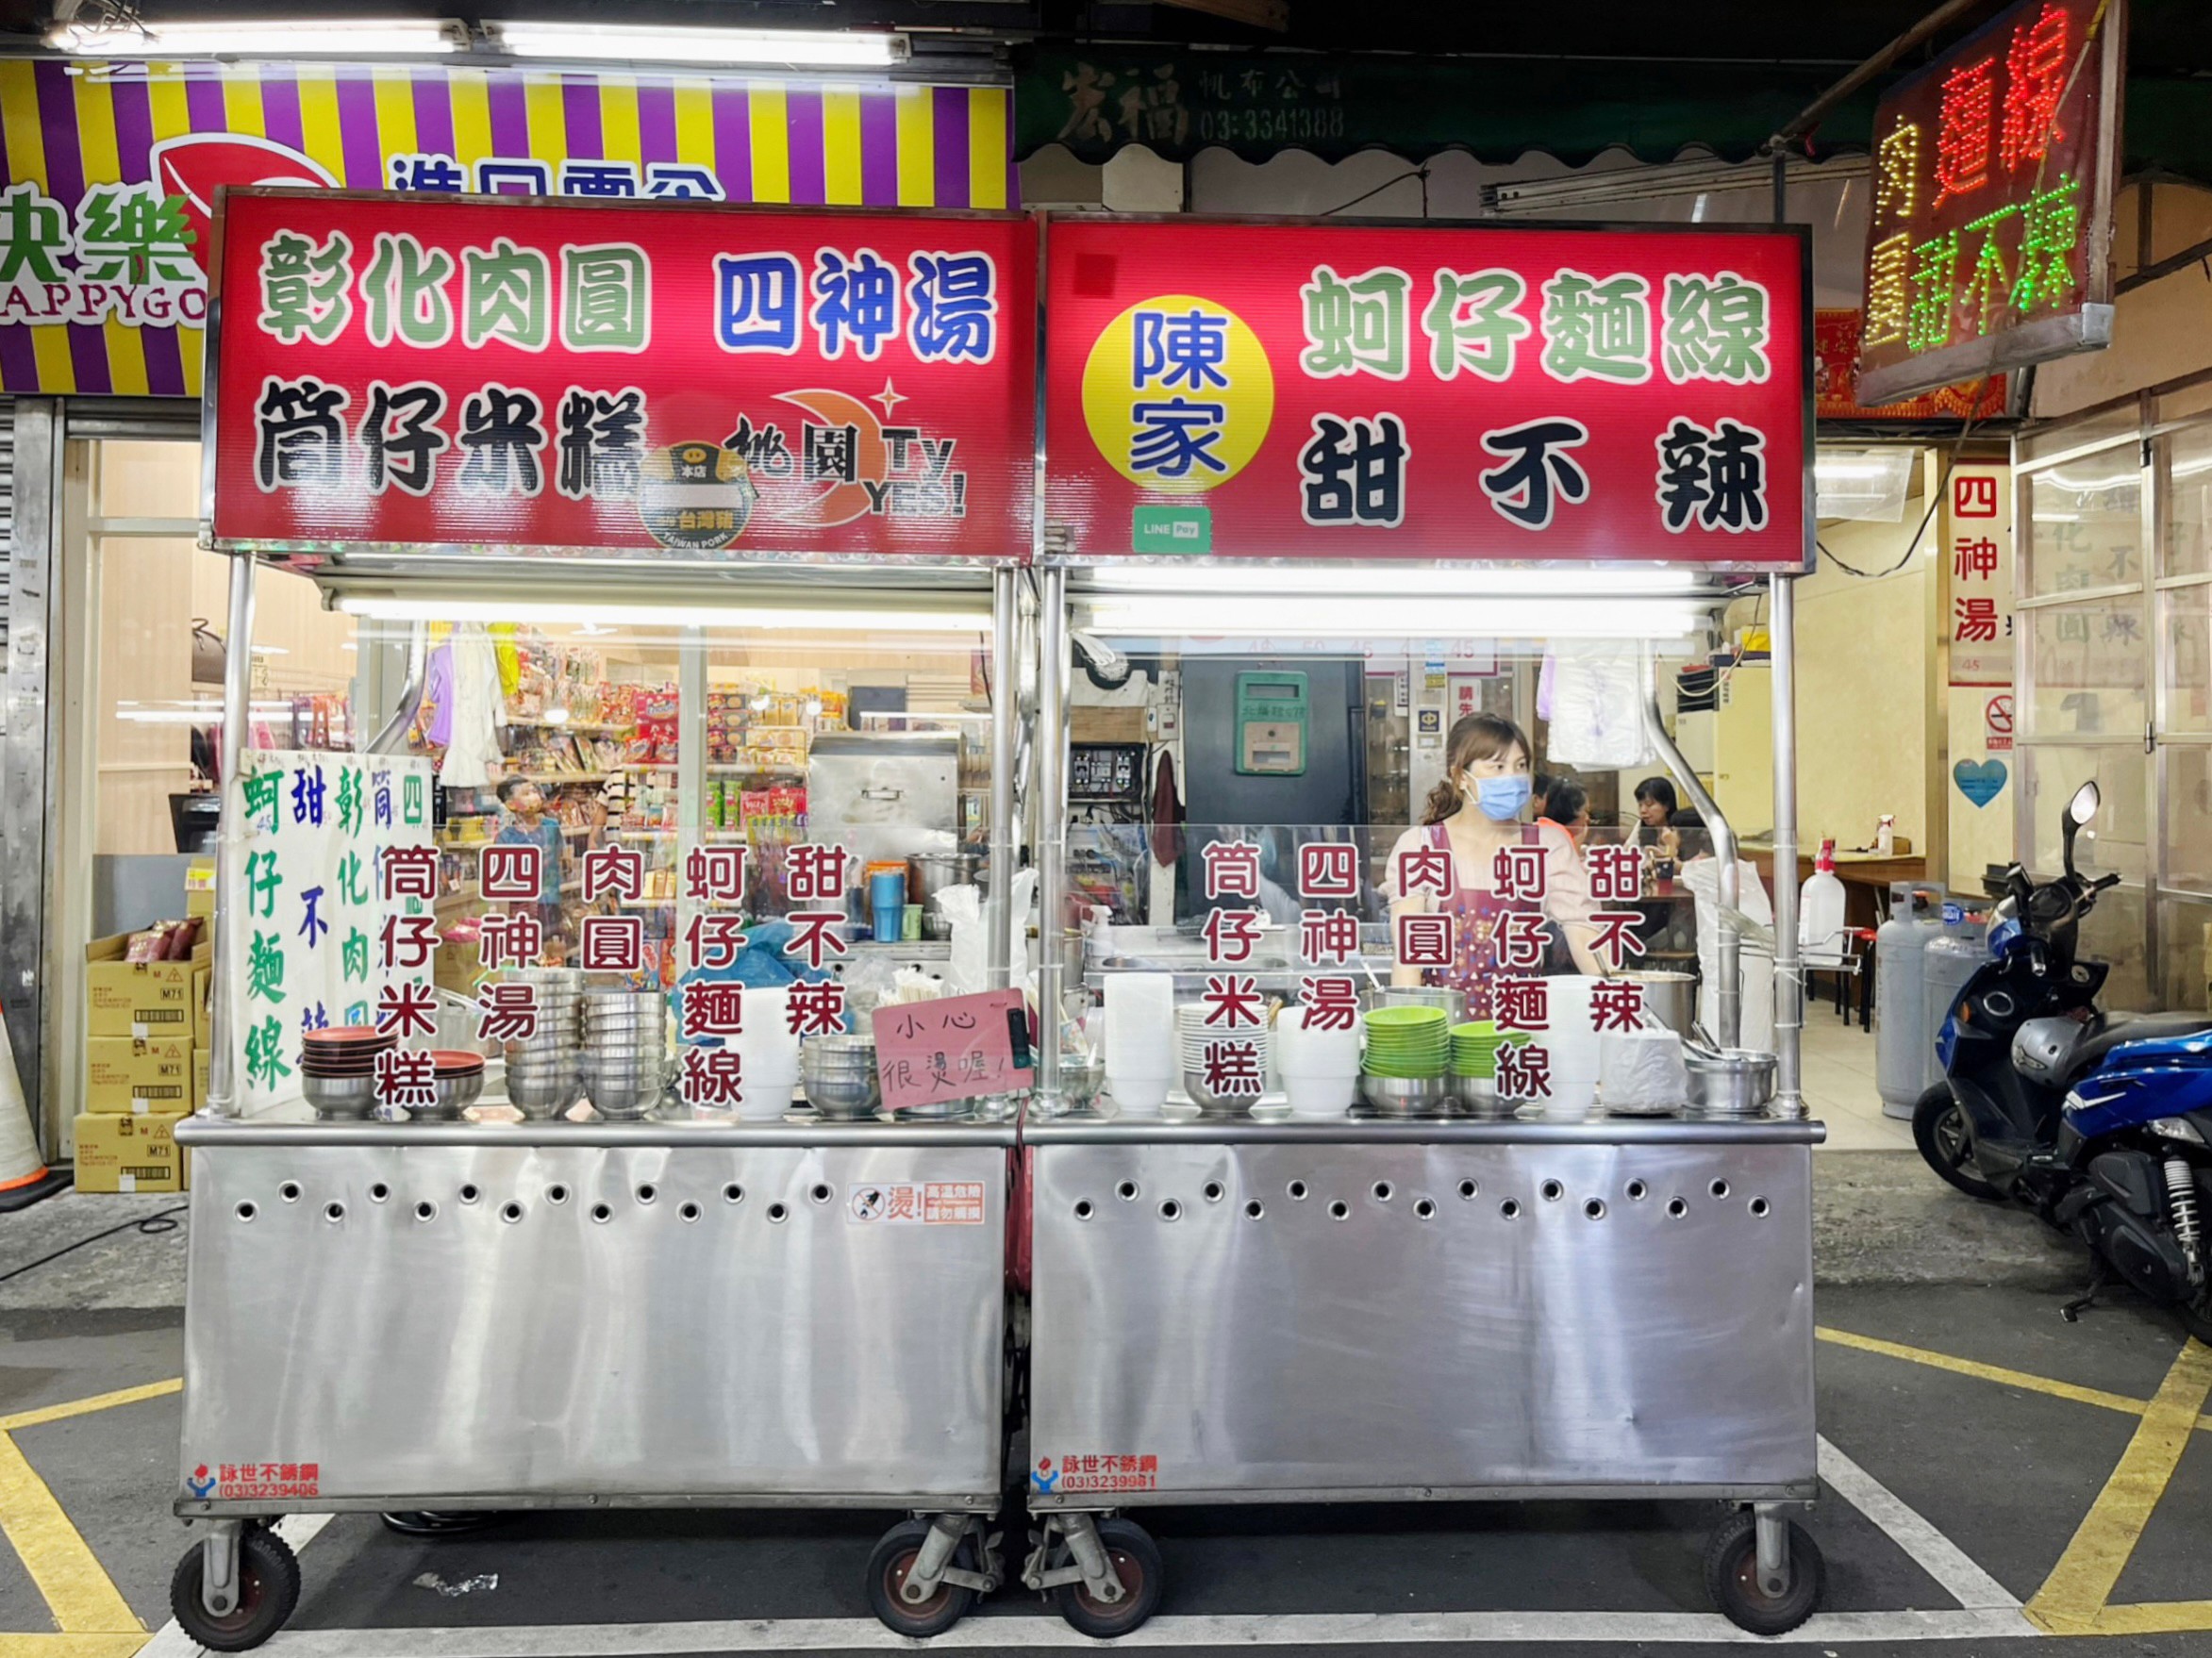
(1988, 246)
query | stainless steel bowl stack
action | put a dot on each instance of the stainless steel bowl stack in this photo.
(458, 1079)
(624, 1064)
(338, 1069)
(838, 1076)
(543, 1079)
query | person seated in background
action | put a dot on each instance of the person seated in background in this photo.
(1566, 802)
(1692, 839)
(1655, 807)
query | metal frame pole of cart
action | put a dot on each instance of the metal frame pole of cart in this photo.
(335, 1308)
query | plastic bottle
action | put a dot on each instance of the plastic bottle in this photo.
(1886, 835)
(1819, 911)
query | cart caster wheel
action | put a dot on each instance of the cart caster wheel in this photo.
(894, 1558)
(425, 1522)
(267, 1590)
(1732, 1578)
(1137, 1562)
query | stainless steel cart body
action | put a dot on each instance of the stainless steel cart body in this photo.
(1245, 1312)
(535, 1315)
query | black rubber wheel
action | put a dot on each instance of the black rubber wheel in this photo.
(1137, 1562)
(267, 1590)
(1732, 1578)
(893, 1557)
(428, 1522)
(2196, 1317)
(1940, 1129)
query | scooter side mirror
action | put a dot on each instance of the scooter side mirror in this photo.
(2083, 807)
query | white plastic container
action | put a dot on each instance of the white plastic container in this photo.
(1819, 912)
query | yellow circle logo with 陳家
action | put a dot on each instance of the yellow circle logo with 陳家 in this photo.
(1178, 394)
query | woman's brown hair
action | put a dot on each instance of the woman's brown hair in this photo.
(1475, 737)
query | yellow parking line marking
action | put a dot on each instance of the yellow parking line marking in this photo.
(2153, 1617)
(81, 1596)
(52, 1645)
(1997, 1374)
(2080, 1583)
(85, 1408)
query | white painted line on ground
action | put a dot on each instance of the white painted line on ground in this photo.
(1928, 1549)
(989, 1633)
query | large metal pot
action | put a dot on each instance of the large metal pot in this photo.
(928, 873)
(1733, 1081)
(1670, 1000)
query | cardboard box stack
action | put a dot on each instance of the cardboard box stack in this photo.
(146, 1042)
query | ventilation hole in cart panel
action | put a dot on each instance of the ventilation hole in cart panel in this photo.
(1758, 1208)
(510, 1213)
(557, 1194)
(1126, 1191)
(1676, 1208)
(647, 1193)
(1254, 1209)
(425, 1210)
(1297, 1190)
(1594, 1209)
(290, 1191)
(1552, 1191)
(334, 1212)
(470, 1194)
(1637, 1191)
(601, 1214)
(1425, 1209)
(246, 1211)
(1510, 1209)
(776, 1213)
(1169, 1209)
(1339, 1209)
(689, 1211)
(379, 1193)
(1213, 1191)
(1382, 1192)
(1082, 1208)
(1719, 1189)
(733, 1193)
(1468, 1188)
(821, 1194)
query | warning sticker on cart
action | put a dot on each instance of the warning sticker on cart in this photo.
(232, 1482)
(1084, 1471)
(916, 1202)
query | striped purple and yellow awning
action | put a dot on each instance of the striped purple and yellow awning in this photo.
(70, 127)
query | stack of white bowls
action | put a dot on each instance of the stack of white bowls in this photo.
(1139, 1041)
(1320, 1068)
(1192, 1035)
(769, 1068)
(1572, 1043)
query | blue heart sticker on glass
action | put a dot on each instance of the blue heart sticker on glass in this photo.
(1980, 781)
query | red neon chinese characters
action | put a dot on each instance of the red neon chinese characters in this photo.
(1962, 131)
(1330, 935)
(406, 1079)
(714, 942)
(612, 944)
(1616, 936)
(407, 943)
(1232, 936)
(1425, 940)
(814, 935)
(1422, 869)
(1232, 869)
(409, 872)
(406, 1009)
(507, 1013)
(613, 872)
(2035, 69)
(1519, 874)
(712, 1009)
(1616, 1004)
(1328, 868)
(511, 874)
(711, 1078)
(1331, 1004)
(1233, 1068)
(1232, 1002)
(815, 875)
(715, 874)
(1524, 1005)
(1520, 942)
(816, 1010)
(1524, 1074)
(1615, 873)
(509, 940)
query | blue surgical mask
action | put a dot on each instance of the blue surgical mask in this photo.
(1500, 799)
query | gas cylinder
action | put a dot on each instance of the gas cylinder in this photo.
(1901, 1033)
(1953, 956)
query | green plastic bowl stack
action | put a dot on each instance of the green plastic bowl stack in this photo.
(1476, 1045)
(1407, 1042)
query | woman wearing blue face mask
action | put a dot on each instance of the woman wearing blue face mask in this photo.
(1473, 816)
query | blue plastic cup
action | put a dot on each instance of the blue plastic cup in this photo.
(886, 901)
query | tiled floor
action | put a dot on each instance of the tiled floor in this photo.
(1838, 1061)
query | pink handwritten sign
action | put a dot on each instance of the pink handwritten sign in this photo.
(955, 1048)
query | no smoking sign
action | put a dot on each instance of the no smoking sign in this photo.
(1997, 725)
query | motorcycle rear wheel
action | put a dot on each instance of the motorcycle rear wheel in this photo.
(2196, 1317)
(1939, 1130)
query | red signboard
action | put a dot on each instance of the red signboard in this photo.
(1990, 242)
(1371, 392)
(1835, 335)
(693, 381)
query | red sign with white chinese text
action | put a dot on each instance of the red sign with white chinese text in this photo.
(1990, 242)
(1435, 393)
(697, 381)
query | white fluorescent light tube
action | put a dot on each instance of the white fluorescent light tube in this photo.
(1167, 616)
(1372, 582)
(321, 37)
(676, 43)
(720, 619)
